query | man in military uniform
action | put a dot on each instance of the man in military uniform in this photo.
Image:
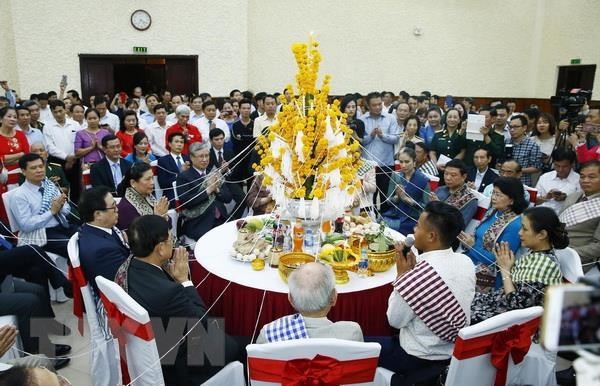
(53, 170)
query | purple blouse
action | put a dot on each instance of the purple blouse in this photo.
(84, 138)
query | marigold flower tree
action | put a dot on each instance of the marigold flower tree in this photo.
(308, 154)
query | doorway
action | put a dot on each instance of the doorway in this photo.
(154, 73)
(576, 76)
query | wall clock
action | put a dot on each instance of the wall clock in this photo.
(141, 20)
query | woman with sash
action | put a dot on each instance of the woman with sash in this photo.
(500, 224)
(408, 193)
(138, 199)
(525, 280)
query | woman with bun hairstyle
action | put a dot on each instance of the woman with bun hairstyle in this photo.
(524, 280)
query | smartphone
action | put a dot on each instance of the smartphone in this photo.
(571, 318)
(63, 81)
(123, 97)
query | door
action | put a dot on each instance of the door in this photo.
(182, 75)
(97, 77)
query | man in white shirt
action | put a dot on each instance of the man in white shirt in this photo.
(176, 101)
(45, 113)
(157, 130)
(501, 125)
(554, 187)
(268, 118)
(210, 121)
(59, 137)
(106, 117)
(23, 123)
(196, 114)
(432, 294)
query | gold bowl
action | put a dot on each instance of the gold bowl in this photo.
(292, 260)
(340, 272)
(381, 261)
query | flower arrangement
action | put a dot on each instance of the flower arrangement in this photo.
(308, 154)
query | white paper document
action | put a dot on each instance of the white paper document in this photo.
(443, 160)
(474, 123)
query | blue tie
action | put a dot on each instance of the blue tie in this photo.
(117, 176)
(5, 243)
(178, 162)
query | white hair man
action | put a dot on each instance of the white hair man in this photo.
(312, 294)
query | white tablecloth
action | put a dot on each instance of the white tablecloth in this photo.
(213, 253)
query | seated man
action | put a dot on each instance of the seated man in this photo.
(41, 209)
(111, 169)
(312, 294)
(554, 187)
(581, 215)
(171, 165)
(167, 293)
(102, 248)
(202, 196)
(428, 323)
(480, 175)
(53, 171)
(456, 192)
(509, 168)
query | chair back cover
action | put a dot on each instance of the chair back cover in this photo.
(230, 375)
(570, 264)
(133, 326)
(104, 356)
(471, 361)
(356, 362)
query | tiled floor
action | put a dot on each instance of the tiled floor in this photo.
(78, 371)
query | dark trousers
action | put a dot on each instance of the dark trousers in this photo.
(394, 358)
(382, 180)
(58, 238)
(237, 192)
(27, 302)
(73, 176)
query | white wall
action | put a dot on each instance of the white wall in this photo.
(467, 47)
(49, 35)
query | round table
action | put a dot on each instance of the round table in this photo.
(363, 300)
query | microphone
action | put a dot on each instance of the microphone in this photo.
(409, 241)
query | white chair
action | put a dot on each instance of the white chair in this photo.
(157, 189)
(131, 324)
(17, 348)
(60, 261)
(570, 264)
(104, 355)
(471, 365)
(266, 362)
(86, 179)
(483, 203)
(230, 375)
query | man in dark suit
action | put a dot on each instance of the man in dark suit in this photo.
(158, 279)
(202, 194)
(171, 165)
(481, 175)
(102, 248)
(220, 159)
(111, 169)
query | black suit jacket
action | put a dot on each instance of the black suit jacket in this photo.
(101, 174)
(163, 298)
(488, 178)
(227, 155)
(189, 186)
(167, 174)
(100, 254)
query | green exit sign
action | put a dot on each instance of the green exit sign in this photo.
(140, 50)
(575, 61)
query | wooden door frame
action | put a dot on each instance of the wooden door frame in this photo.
(194, 58)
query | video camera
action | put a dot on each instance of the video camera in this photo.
(572, 101)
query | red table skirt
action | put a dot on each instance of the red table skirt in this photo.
(240, 305)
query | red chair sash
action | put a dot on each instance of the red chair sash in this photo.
(515, 341)
(319, 371)
(120, 324)
(78, 281)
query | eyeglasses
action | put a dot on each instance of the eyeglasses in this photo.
(114, 207)
(514, 127)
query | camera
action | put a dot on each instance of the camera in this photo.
(572, 101)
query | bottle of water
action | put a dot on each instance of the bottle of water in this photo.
(363, 264)
(308, 241)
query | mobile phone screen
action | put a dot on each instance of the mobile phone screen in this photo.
(571, 317)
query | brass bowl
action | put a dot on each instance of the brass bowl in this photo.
(292, 260)
(340, 272)
(381, 261)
